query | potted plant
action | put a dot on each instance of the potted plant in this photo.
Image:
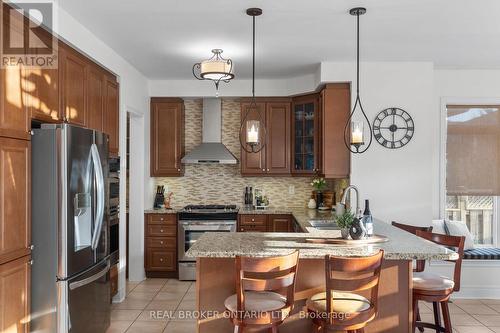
(345, 221)
(319, 184)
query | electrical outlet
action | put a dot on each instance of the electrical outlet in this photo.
(291, 189)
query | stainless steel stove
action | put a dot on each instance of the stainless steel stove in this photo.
(194, 221)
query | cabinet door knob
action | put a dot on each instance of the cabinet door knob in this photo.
(161, 259)
(179, 170)
(267, 170)
(161, 230)
(161, 219)
(31, 247)
(253, 220)
(161, 242)
(263, 170)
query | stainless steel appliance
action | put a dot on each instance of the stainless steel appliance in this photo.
(70, 274)
(114, 208)
(194, 221)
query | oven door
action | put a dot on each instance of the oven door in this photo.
(191, 231)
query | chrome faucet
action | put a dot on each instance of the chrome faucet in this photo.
(344, 198)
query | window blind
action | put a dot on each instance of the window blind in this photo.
(473, 150)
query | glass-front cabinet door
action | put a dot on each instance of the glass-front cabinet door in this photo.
(305, 135)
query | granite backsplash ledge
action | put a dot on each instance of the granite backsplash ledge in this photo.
(223, 184)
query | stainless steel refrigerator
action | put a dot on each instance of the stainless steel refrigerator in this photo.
(70, 272)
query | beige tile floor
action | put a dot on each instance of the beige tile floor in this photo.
(167, 298)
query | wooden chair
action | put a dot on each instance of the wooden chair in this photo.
(420, 264)
(265, 289)
(437, 289)
(340, 307)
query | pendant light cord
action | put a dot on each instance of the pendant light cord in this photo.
(357, 58)
(253, 58)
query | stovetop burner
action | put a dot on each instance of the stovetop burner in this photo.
(190, 208)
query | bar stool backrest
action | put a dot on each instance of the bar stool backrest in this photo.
(277, 274)
(353, 274)
(457, 242)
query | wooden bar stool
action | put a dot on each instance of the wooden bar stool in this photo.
(341, 308)
(265, 289)
(429, 287)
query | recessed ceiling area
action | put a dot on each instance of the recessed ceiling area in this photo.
(163, 39)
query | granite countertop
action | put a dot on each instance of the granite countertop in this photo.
(401, 245)
(162, 211)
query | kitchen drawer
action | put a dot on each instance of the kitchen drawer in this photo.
(161, 230)
(162, 242)
(170, 219)
(161, 260)
(252, 228)
(260, 220)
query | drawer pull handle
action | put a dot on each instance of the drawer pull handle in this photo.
(253, 220)
(161, 219)
(161, 230)
(161, 259)
(161, 242)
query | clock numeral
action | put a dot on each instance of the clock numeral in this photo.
(376, 128)
(393, 145)
(378, 136)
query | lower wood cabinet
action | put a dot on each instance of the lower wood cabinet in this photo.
(113, 279)
(280, 223)
(160, 245)
(265, 223)
(15, 295)
(15, 179)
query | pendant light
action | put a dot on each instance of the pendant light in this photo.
(215, 69)
(253, 133)
(356, 131)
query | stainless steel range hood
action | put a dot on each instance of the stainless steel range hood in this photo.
(211, 150)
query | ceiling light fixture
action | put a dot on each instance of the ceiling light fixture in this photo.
(215, 69)
(356, 130)
(253, 133)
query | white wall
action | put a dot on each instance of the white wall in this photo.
(133, 96)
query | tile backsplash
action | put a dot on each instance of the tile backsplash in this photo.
(223, 184)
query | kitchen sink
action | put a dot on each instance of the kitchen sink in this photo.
(324, 225)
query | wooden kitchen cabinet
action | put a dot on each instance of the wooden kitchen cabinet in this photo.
(274, 158)
(167, 137)
(306, 135)
(111, 118)
(252, 223)
(15, 180)
(280, 223)
(72, 77)
(160, 245)
(336, 105)
(42, 92)
(95, 98)
(14, 115)
(15, 296)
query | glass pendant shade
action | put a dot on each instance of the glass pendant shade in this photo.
(357, 132)
(253, 128)
(215, 69)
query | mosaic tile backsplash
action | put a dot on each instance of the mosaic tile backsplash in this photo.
(223, 184)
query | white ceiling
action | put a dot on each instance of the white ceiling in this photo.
(164, 38)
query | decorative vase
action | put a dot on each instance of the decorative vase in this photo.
(357, 230)
(311, 204)
(345, 233)
(319, 198)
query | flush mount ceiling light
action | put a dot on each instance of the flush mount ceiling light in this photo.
(215, 69)
(357, 129)
(253, 133)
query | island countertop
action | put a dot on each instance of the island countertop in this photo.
(401, 245)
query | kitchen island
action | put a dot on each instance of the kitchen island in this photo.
(215, 253)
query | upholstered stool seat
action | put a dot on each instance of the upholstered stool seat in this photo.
(343, 302)
(432, 282)
(257, 301)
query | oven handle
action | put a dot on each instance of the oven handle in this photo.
(214, 222)
(227, 227)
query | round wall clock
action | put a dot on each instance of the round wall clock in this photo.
(393, 128)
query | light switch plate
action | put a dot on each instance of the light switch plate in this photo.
(291, 189)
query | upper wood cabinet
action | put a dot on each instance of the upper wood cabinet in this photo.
(274, 158)
(42, 88)
(336, 104)
(15, 219)
(306, 135)
(15, 296)
(278, 138)
(111, 124)
(167, 137)
(72, 77)
(14, 116)
(95, 97)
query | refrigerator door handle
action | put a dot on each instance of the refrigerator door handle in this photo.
(100, 195)
(90, 279)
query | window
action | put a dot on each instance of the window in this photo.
(473, 169)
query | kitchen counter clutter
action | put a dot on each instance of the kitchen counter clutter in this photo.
(401, 245)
